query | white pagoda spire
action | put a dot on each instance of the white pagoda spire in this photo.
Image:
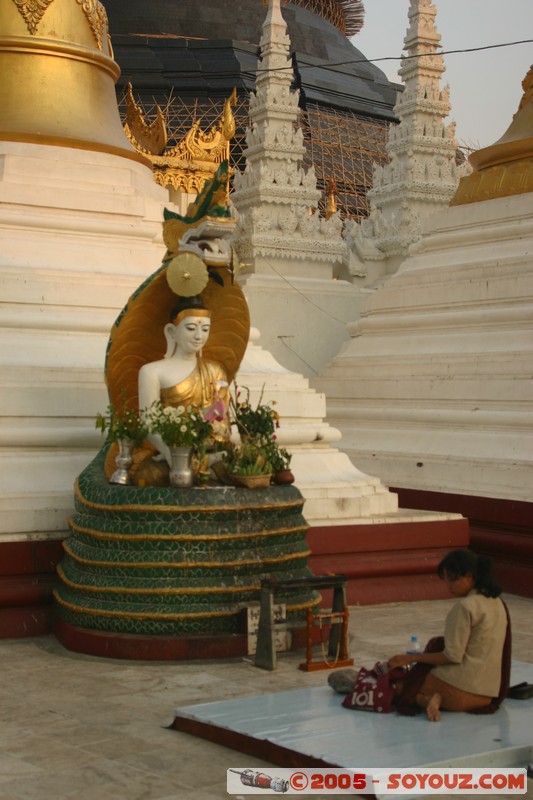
(421, 176)
(279, 224)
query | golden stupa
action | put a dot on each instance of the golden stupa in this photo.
(506, 167)
(58, 76)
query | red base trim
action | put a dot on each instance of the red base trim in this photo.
(157, 648)
(501, 529)
(149, 648)
(508, 513)
(387, 563)
(259, 748)
(17, 623)
(27, 577)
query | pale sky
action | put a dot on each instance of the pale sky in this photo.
(485, 86)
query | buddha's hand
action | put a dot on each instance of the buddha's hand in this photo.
(163, 454)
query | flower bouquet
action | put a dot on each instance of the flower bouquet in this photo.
(178, 427)
(125, 428)
(257, 423)
(186, 432)
(252, 462)
(128, 424)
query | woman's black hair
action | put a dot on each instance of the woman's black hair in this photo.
(462, 562)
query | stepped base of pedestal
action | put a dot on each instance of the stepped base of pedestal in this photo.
(335, 491)
(433, 392)
(390, 558)
(157, 648)
(80, 231)
(149, 648)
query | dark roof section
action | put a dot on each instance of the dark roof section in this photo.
(145, 16)
(195, 49)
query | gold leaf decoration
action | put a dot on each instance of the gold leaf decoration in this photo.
(97, 16)
(187, 274)
(32, 11)
(187, 165)
(147, 137)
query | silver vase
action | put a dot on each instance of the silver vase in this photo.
(181, 474)
(122, 462)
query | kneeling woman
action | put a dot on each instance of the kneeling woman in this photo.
(468, 673)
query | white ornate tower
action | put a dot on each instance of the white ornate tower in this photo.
(288, 250)
(355, 526)
(421, 176)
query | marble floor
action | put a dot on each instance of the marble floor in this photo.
(74, 726)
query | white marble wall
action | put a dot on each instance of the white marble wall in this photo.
(79, 231)
(435, 391)
(336, 492)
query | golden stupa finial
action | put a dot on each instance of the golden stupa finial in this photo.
(331, 198)
(527, 86)
(228, 129)
(506, 167)
(57, 68)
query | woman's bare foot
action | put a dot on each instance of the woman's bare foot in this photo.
(433, 707)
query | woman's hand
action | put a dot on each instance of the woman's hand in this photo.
(402, 660)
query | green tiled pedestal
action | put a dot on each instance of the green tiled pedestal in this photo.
(168, 573)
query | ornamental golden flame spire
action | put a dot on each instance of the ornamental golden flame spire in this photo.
(228, 120)
(147, 137)
(58, 76)
(194, 159)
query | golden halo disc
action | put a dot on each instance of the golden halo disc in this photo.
(187, 275)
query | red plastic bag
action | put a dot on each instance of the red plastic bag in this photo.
(374, 689)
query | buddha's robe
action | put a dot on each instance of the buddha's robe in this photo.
(200, 389)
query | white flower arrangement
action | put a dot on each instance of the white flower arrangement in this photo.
(183, 426)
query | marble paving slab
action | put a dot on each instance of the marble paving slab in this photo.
(309, 727)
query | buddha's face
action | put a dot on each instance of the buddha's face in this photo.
(191, 334)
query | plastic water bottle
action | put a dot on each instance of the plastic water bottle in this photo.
(414, 646)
